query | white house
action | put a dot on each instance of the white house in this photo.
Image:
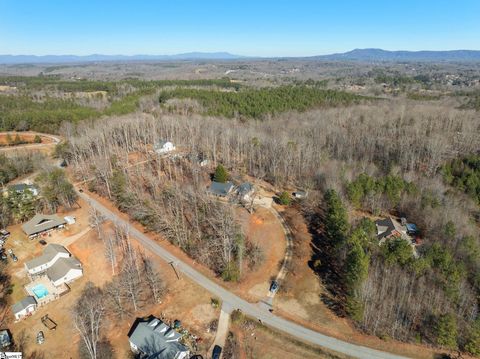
(57, 264)
(65, 270)
(24, 308)
(51, 254)
(161, 147)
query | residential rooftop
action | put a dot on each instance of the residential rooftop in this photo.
(50, 251)
(41, 223)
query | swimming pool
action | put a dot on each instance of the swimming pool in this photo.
(40, 291)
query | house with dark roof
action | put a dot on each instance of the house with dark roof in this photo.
(41, 223)
(24, 308)
(388, 228)
(152, 338)
(57, 264)
(220, 189)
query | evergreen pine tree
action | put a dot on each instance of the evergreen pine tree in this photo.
(221, 174)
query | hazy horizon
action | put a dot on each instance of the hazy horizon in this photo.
(269, 29)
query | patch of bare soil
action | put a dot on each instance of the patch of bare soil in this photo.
(27, 137)
(263, 229)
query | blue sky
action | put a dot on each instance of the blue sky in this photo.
(245, 27)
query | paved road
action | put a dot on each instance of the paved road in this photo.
(252, 310)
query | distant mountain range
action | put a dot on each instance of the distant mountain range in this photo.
(60, 59)
(378, 55)
(361, 55)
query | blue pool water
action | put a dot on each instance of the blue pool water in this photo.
(40, 291)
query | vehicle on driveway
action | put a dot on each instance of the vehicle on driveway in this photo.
(3, 255)
(42, 242)
(274, 287)
(217, 351)
(14, 257)
(40, 337)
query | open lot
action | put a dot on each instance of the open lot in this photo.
(250, 340)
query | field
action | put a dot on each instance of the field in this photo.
(251, 340)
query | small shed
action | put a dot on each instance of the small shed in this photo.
(24, 308)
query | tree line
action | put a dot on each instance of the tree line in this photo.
(257, 103)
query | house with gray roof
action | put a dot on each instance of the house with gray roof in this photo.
(51, 254)
(5, 338)
(65, 270)
(21, 188)
(57, 264)
(24, 308)
(389, 227)
(154, 339)
(220, 189)
(41, 223)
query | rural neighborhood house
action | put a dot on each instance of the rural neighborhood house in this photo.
(42, 223)
(154, 339)
(24, 308)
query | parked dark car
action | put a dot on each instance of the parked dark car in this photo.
(217, 350)
(14, 257)
(42, 242)
(274, 287)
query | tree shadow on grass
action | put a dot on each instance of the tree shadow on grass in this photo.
(326, 264)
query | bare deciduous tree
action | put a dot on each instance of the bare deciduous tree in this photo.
(89, 318)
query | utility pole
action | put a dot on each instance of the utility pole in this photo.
(174, 269)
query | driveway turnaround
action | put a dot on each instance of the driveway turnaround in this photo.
(233, 301)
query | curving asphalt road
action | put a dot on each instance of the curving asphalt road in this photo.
(252, 310)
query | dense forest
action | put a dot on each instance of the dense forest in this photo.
(256, 103)
(464, 174)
